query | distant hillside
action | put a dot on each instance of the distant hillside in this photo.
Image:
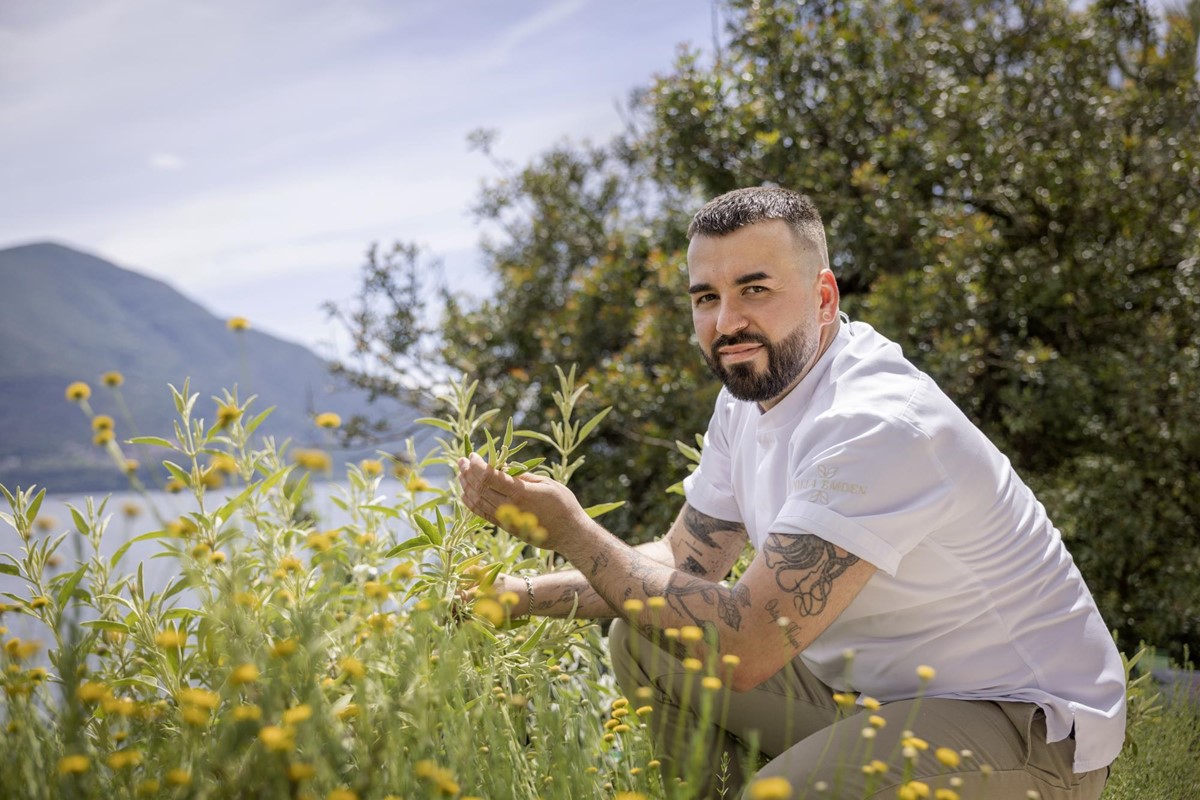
(68, 316)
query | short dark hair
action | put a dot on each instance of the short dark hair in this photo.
(741, 207)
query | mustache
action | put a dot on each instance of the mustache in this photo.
(737, 338)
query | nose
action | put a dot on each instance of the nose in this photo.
(730, 319)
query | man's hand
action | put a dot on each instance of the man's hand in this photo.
(558, 512)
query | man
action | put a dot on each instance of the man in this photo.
(891, 537)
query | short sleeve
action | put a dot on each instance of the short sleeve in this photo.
(869, 485)
(709, 489)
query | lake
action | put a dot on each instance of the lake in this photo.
(123, 527)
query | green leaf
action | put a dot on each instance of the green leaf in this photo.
(429, 529)
(437, 423)
(32, 512)
(591, 424)
(153, 441)
(541, 437)
(415, 543)
(80, 523)
(68, 586)
(387, 511)
(532, 642)
(106, 625)
(181, 613)
(178, 473)
(252, 426)
(9, 569)
(602, 508)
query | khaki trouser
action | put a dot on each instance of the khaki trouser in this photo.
(793, 723)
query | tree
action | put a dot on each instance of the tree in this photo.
(1011, 189)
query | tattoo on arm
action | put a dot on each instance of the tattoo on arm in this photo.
(806, 566)
(694, 567)
(696, 599)
(792, 631)
(599, 562)
(703, 527)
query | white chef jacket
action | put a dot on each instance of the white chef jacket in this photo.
(973, 579)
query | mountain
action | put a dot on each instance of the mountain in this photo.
(68, 316)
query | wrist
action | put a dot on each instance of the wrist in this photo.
(528, 595)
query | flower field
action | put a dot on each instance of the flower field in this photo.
(285, 659)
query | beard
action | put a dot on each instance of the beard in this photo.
(786, 360)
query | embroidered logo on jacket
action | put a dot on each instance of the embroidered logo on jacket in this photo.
(819, 488)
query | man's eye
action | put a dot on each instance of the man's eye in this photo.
(755, 289)
(705, 298)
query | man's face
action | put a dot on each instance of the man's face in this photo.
(759, 299)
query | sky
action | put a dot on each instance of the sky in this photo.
(247, 153)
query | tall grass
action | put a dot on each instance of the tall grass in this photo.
(287, 660)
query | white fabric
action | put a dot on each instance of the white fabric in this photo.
(867, 453)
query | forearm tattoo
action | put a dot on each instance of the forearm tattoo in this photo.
(704, 527)
(805, 566)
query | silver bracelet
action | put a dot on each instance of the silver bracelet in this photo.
(529, 591)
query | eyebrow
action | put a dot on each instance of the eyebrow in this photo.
(749, 277)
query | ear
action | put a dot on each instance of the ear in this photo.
(829, 296)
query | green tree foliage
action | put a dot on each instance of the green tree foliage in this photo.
(1011, 190)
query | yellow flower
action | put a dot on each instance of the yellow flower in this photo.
(300, 771)
(124, 758)
(691, 634)
(692, 664)
(774, 788)
(170, 638)
(276, 739)
(376, 591)
(201, 698)
(39, 602)
(130, 466)
(730, 660)
(353, 667)
(296, 714)
(313, 460)
(914, 742)
(350, 711)
(237, 324)
(290, 563)
(178, 777)
(876, 767)
(102, 422)
(620, 703)
(195, 716)
(926, 673)
(657, 602)
(403, 570)
(45, 524)
(112, 379)
(642, 711)
(490, 610)
(102, 438)
(845, 700)
(227, 414)
(174, 486)
(913, 790)
(877, 720)
(371, 467)
(416, 483)
(223, 463)
(77, 392)
(644, 693)
(710, 682)
(148, 787)
(328, 420)
(283, 648)
(945, 794)
(618, 713)
(247, 713)
(948, 757)
(91, 691)
(246, 673)
(634, 606)
(629, 795)
(870, 703)
(38, 674)
(73, 765)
